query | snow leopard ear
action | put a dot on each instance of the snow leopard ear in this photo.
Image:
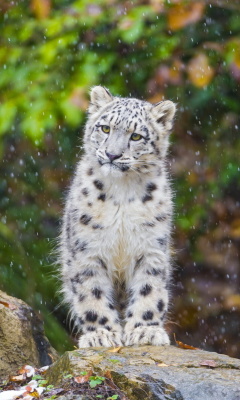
(163, 113)
(99, 97)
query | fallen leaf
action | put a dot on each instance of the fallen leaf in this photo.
(34, 394)
(209, 363)
(28, 370)
(183, 345)
(43, 370)
(17, 378)
(83, 378)
(115, 350)
(199, 70)
(8, 305)
(183, 15)
(162, 365)
(108, 375)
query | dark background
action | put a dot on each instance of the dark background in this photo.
(51, 53)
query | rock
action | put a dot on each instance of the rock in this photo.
(22, 339)
(152, 373)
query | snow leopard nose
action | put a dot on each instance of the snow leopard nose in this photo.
(113, 157)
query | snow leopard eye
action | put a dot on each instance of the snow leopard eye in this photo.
(136, 136)
(105, 128)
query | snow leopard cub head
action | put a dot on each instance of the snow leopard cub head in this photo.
(126, 134)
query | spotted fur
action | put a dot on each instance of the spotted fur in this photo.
(114, 247)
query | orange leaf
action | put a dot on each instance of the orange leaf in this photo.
(109, 380)
(33, 394)
(41, 8)
(200, 72)
(108, 375)
(209, 363)
(17, 378)
(183, 345)
(8, 305)
(83, 378)
(115, 350)
(182, 15)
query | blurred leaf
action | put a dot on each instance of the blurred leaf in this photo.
(41, 8)
(181, 15)
(7, 115)
(199, 70)
(208, 363)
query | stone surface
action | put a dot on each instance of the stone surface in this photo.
(151, 373)
(22, 339)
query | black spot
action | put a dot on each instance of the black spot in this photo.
(76, 278)
(89, 204)
(146, 289)
(151, 187)
(138, 263)
(102, 197)
(85, 219)
(111, 306)
(152, 323)
(138, 324)
(97, 226)
(108, 328)
(81, 321)
(150, 224)
(155, 148)
(98, 184)
(160, 305)
(68, 229)
(161, 217)
(79, 245)
(131, 199)
(97, 293)
(154, 271)
(102, 263)
(91, 316)
(162, 241)
(163, 316)
(147, 197)
(122, 306)
(81, 297)
(141, 336)
(91, 328)
(124, 167)
(148, 315)
(90, 171)
(103, 320)
(100, 342)
(129, 314)
(74, 290)
(85, 192)
(88, 273)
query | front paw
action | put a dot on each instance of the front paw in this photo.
(146, 335)
(100, 338)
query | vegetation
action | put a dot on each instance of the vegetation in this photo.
(51, 53)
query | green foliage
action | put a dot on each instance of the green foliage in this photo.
(95, 381)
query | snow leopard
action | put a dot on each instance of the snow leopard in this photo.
(115, 241)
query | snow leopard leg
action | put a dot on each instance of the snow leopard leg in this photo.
(148, 303)
(89, 291)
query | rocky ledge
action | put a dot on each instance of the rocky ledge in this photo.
(151, 373)
(22, 339)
